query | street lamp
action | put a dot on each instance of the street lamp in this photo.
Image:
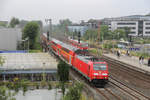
(113, 43)
(50, 25)
(26, 39)
(43, 71)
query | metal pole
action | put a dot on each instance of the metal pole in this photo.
(44, 71)
(24, 45)
(113, 43)
(28, 45)
(50, 25)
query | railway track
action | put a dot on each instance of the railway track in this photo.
(126, 70)
(107, 94)
(134, 94)
(104, 93)
(115, 90)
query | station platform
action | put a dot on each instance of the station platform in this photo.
(134, 61)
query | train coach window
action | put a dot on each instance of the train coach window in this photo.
(99, 66)
(66, 50)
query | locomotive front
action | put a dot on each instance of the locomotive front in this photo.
(99, 73)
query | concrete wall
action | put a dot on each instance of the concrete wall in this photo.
(9, 38)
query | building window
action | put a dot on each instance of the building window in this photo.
(147, 23)
(120, 27)
(126, 23)
(124, 27)
(148, 32)
(147, 27)
(132, 27)
(132, 32)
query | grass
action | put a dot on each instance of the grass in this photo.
(35, 51)
(93, 50)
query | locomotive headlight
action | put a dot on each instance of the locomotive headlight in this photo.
(95, 73)
(104, 74)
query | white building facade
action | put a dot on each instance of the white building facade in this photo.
(139, 25)
(146, 28)
(9, 38)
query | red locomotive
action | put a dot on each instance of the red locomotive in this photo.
(94, 70)
(82, 45)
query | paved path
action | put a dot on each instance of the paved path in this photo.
(134, 61)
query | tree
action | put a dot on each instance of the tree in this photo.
(63, 24)
(93, 33)
(1, 61)
(6, 94)
(63, 74)
(74, 92)
(63, 71)
(127, 31)
(90, 34)
(14, 21)
(104, 33)
(119, 33)
(31, 31)
(3, 24)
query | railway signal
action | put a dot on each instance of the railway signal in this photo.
(79, 35)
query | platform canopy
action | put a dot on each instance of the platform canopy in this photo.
(28, 61)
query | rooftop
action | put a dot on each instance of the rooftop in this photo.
(28, 61)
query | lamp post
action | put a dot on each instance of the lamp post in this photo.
(43, 71)
(28, 46)
(26, 39)
(23, 44)
(50, 25)
(113, 43)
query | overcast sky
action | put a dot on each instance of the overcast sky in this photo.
(75, 10)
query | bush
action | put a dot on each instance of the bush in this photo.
(74, 92)
(93, 50)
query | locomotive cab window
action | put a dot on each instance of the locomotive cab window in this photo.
(100, 67)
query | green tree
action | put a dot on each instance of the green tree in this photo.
(63, 71)
(63, 25)
(3, 24)
(1, 60)
(63, 74)
(31, 31)
(119, 33)
(14, 21)
(92, 34)
(104, 32)
(6, 94)
(74, 92)
(127, 31)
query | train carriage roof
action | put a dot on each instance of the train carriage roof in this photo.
(69, 47)
(86, 59)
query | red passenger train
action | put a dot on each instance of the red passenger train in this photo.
(94, 70)
(82, 45)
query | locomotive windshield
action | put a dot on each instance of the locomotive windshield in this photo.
(99, 66)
